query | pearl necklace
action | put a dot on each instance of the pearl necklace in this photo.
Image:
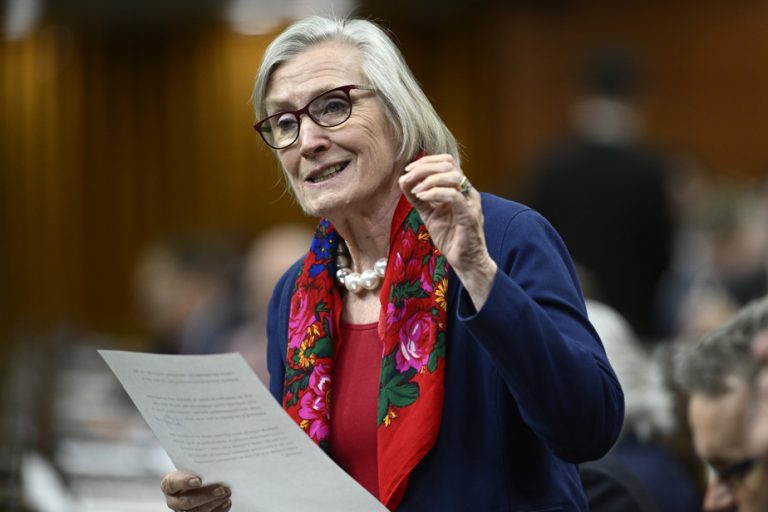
(352, 281)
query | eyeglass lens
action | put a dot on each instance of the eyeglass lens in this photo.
(329, 109)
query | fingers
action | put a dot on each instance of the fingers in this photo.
(433, 179)
(224, 507)
(440, 195)
(184, 491)
(211, 506)
(178, 481)
(206, 499)
(437, 169)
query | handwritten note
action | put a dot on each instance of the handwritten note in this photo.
(215, 418)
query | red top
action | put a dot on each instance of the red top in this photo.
(354, 403)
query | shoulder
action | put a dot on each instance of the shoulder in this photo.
(509, 222)
(498, 212)
(284, 286)
(279, 306)
(496, 204)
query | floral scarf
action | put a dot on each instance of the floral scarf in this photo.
(412, 329)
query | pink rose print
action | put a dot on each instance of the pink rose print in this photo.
(315, 403)
(415, 342)
(302, 316)
(427, 273)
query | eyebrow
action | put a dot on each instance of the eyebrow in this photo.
(274, 107)
(284, 104)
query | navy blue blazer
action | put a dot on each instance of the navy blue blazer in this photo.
(529, 392)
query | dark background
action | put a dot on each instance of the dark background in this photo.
(124, 122)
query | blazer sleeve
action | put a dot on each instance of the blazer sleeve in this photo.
(535, 329)
(277, 329)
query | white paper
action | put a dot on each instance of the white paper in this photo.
(215, 418)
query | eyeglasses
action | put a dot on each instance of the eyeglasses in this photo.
(733, 474)
(329, 109)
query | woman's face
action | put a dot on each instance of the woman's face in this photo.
(346, 169)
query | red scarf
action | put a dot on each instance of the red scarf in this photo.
(412, 329)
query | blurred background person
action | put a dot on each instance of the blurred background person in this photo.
(759, 427)
(740, 240)
(610, 486)
(716, 373)
(187, 294)
(268, 257)
(605, 194)
(649, 419)
(721, 260)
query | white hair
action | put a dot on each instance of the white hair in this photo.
(413, 117)
(649, 403)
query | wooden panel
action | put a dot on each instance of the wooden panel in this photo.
(107, 143)
(703, 65)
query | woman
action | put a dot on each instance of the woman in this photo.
(465, 373)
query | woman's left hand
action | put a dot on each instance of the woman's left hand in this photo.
(454, 220)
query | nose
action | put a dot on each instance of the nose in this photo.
(313, 139)
(718, 497)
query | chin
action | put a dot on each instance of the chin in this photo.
(306, 206)
(319, 209)
(308, 211)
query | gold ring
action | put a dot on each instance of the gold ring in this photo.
(464, 186)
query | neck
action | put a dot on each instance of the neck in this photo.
(367, 235)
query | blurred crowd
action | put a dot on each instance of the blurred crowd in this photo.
(70, 439)
(674, 265)
(201, 295)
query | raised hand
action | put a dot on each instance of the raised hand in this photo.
(454, 218)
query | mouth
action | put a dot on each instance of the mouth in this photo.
(327, 173)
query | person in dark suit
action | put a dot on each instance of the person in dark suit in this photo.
(605, 194)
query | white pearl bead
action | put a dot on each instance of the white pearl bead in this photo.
(352, 281)
(380, 267)
(369, 280)
(341, 273)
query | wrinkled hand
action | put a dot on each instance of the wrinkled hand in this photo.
(454, 221)
(185, 491)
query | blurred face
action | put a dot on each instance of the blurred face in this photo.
(759, 427)
(165, 296)
(718, 427)
(344, 169)
(267, 259)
